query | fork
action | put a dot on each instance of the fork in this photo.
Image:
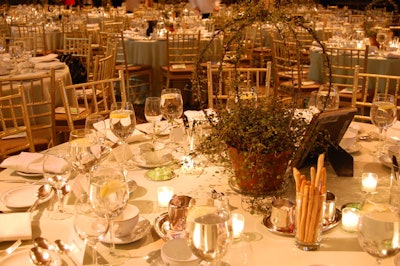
(12, 248)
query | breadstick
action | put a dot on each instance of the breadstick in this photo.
(313, 175)
(303, 213)
(297, 178)
(314, 215)
(320, 164)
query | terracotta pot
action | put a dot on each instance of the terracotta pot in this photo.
(259, 174)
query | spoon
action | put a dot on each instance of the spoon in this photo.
(42, 193)
(63, 248)
(42, 243)
(40, 256)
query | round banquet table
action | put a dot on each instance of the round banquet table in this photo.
(376, 65)
(338, 247)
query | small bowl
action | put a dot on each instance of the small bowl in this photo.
(176, 252)
(126, 221)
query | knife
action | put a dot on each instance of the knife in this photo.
(395, 168)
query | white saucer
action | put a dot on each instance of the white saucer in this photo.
(354, 148)
(22, 258)
(29, 174)
(141, 230)
(22, 197)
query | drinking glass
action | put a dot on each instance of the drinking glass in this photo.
(171, 106)
(209, 233)
(152, 112)
(122, 120)
(383, 115)
(109, 193)
(57, 170)
(84, 150)
(379, 227)
(97, 123)
(381, 37)
(88, 225)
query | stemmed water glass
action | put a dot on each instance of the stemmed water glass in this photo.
(109, 193)
(383, 115)
(171, 106)
(88, 225)
(84, 150)
(381, 37)
(379, 227)
(152, 112)
(57, 170)
(122, 120)
(97, 123)
(208, 231)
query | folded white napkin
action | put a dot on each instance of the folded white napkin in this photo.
(49, 65)
(30, 162)
(392, 54)
(45, 58)
(136, 135)
(15, 226)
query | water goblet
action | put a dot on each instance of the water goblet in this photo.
(84, 150)
(171, 106)
(96, 122)
(379, 227)
(122, 120)
(57, 170)
(383, 115)
(208, 229)
(109, 193)
(89, 226)
(381, 37)
(152, 112)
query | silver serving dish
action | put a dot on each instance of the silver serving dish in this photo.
(290, 232)
(161, 225)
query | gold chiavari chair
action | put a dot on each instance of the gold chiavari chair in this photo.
(221, 83)
(39, 90)
(81, 100)
(366, 86)
(80, 48)
(14, 122)
(182, 53)
(38, 33)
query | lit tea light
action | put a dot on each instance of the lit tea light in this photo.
(237, 224)
(164, 195)
(350, 218)
(369, 182)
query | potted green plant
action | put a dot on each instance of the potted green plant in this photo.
(257, 138)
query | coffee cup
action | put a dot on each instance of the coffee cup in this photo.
(126, 221)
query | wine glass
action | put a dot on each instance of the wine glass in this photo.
(152, 112)
(122, 120)
(379, 227)
(57, 170)
(88, 225)
(171, 106)
(208, 229)
(381, 37)
(96, 122)
(84, 149)
(383, 115)
(109, 193)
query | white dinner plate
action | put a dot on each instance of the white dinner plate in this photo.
(164, 160)
(22, 196)
(29, 174)
(141, 230)
(21, 258)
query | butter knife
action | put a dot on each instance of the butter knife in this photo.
(395, 167)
